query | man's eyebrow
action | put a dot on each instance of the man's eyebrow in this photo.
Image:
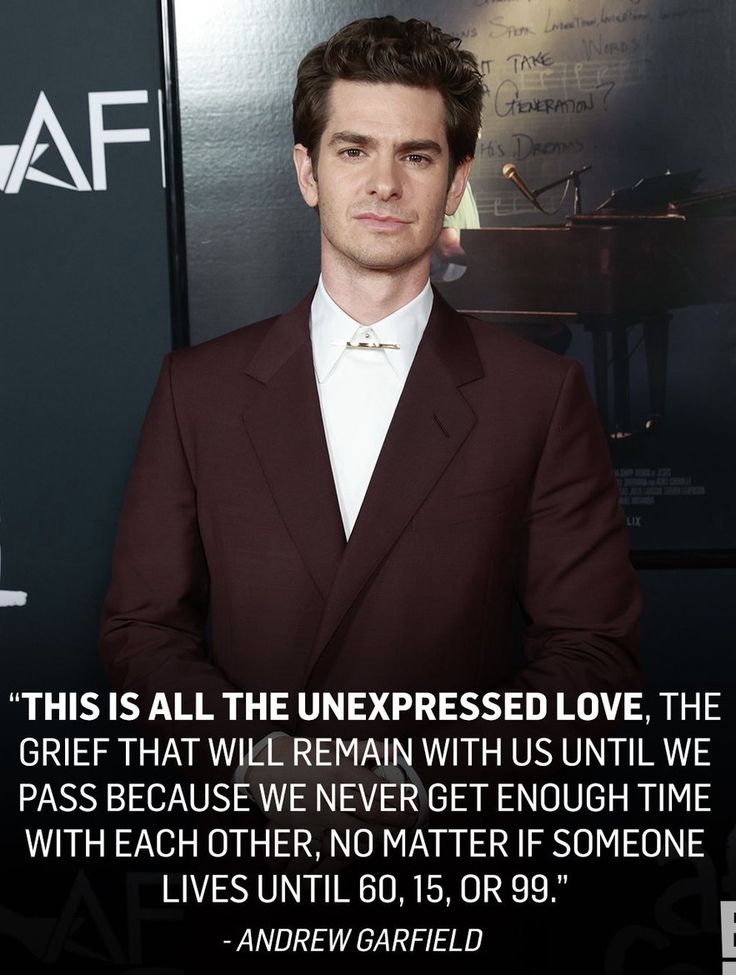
(411, 145)
(354, 138)
(420, 145)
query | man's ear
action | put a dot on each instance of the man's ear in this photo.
(305, 175)
(457, 186)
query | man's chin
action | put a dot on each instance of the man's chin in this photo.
(389, 262)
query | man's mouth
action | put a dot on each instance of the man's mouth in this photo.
(381, 221)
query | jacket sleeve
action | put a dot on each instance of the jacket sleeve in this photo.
(575, 583)
(155, 614)
(576, 586)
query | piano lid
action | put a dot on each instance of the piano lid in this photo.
(652, 194)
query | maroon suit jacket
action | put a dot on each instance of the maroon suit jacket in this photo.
(494, 482)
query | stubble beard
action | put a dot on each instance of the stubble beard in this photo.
(389, 256)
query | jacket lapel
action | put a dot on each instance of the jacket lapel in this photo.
(431, 422)
(284, 422)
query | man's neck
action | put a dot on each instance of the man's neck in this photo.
(367, 295)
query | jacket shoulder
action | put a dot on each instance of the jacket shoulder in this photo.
(499, 345)
(231, 351)
(222, 361)
(526, 372)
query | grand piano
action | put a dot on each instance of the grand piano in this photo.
(645, 251)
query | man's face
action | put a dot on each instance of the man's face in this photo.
(381, 179)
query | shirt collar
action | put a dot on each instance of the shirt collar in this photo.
(331, 328)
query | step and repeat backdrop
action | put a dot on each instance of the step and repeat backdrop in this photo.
(84, 323)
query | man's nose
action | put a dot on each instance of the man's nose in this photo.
(384, 179)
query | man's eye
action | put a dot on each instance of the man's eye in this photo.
(352, 153)
(416, 159)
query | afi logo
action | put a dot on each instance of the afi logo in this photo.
(17, 163)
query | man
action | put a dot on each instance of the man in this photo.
(355, 492)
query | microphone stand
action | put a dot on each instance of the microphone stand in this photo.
(573, 175)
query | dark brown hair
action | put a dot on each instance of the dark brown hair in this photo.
(384, 49)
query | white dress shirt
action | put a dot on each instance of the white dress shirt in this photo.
(359, 388)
